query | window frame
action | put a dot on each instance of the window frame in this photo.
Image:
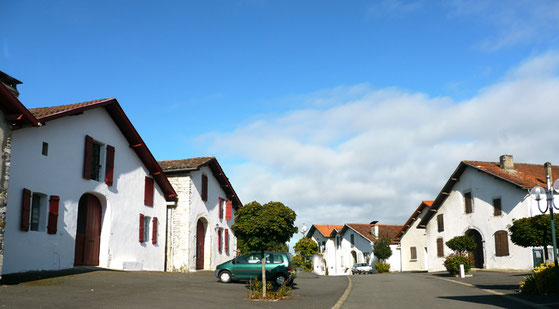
(498, 211)
(440, 247)
(440, 223)
(413, 253)
(42, 211)
(204, 188)
(501, 243)
(468, 201)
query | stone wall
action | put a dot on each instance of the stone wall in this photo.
(179, 224)
(6, 144)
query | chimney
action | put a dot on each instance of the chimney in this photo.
(506, 162)
(374, 229)
(10, 83)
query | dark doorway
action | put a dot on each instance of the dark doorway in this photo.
(478, 252)
(354, 257)
(88, 232)
(200, 238)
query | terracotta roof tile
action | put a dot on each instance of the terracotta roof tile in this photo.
(383, 230)
(327, 229)
(43, 112)
(524, 175)
(192, 163)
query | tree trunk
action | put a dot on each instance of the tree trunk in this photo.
(263, 262)
(545, 254)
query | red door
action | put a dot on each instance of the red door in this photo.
(200, 235)
(88, 234)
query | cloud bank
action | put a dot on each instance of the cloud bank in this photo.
(374, 154)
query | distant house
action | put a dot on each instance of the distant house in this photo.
(84, 190)
(13, 115)
(481, 200)
(199, 234)
(341, 246)
(413, 241)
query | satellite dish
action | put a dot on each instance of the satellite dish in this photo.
(537, 193)
(556, 186)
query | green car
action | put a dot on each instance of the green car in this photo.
(245, 267)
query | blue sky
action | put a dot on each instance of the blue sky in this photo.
(324, 105)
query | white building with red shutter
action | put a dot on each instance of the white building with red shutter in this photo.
(481, 200)
(199, 234)
(84, 190)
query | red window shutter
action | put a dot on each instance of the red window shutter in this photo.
(220, 207)
(25, 210)
(53, 214)
(109, 165)
(219, 239)
(204, 194)
(88, 153)
(154, 229)
(229, 210)
(148, 192)
(226, 240)
(141, 228)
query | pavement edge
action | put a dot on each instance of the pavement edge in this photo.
(344, 296)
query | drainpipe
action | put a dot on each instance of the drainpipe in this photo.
(168, 249)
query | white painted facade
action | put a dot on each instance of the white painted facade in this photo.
(416, 238)
(339, 253)
(182, 222)
(60, 173)
(516, 203)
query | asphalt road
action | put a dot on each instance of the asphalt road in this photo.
(118, 289)
(421, 290)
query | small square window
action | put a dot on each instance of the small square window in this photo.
(45, 150)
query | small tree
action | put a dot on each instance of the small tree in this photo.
(533, 232)
(381, 249)
(305, 248)
(259, 227)
(462, 244)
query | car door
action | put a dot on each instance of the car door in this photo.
(248, 266)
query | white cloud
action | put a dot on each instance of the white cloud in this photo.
(377, 156)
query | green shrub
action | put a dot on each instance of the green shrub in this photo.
(461, 244)
(453, 261)
(272, 292)
(303, 263)
(382, 267)
(542, 281)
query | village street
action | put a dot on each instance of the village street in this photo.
(118, 289)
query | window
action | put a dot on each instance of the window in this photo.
(144, 228)
(248, 259)
(274, 259)
(53, 214)
(45, 150)
(440, 223)
(92, 165)
(37, 209)
(338, 241)
(352, 239)
(497, 209)
(148, 192)
(219, 239)
(440, 247)
(204, 194)
(468, 202)
(501, 243)
(413, 253)
(323, 247)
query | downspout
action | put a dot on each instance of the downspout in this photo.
(168, 233)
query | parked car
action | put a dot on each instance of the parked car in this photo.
(279, 268)
(362, 268)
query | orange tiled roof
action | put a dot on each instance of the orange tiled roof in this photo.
(383, 230)
(327, 229)
(524, 175)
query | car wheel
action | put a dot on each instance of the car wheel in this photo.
(225, 276)
(280, 279)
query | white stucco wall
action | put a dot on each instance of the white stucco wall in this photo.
(515, 204)
(417, 238)
(189, 210)
(60, 173)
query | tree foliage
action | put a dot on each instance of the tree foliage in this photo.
(306, 247)
(533, 231)
(462, 244)
(381, 248)
(260, 227)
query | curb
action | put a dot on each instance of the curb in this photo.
(344, 296)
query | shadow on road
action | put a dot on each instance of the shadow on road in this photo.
(17, 278)
(494, 300)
